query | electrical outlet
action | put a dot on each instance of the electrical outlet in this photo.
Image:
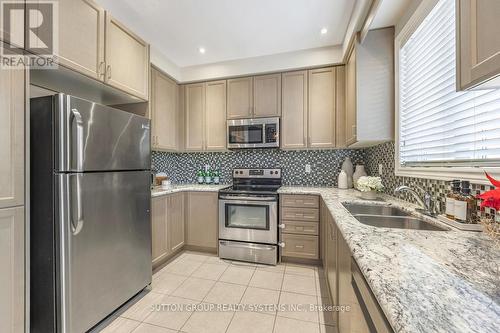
(308, 168)
(380, 169)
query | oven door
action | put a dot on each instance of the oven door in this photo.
(249, 220)
(240, 135)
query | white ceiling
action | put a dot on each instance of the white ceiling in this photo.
(390, 12)
(232, 29)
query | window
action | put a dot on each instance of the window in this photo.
(439, 127)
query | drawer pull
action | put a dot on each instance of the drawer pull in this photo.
(299, 246)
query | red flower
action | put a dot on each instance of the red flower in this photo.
(491, 198)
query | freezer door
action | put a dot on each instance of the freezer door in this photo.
(93, 137)
(104, 244)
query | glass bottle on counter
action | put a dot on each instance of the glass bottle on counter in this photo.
(465, 204)
(450, 199)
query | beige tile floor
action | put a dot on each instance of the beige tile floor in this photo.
(200, 282)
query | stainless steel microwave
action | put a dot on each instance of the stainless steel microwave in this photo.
(253, 133)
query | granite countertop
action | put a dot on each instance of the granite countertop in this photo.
(425, 281)
(158, 191)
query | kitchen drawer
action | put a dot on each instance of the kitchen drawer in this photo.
(300, 246)
(302, 228)
(300, 214)
(305, 201)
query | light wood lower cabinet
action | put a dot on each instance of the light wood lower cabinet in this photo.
(159, 230)
(352, 321)
(164, 112)
(175, 221)
(12, 274)
(299, 217)
(168, 225)
(202, 220)
(12, 104)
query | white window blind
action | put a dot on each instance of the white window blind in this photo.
(437, 125)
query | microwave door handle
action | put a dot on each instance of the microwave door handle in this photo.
(264, 129)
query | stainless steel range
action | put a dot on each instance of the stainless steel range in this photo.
(248, 216)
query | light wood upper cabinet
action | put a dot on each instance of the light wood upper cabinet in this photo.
(340, 107)
(205, 112)
(175, 221)
(127, 59)
(267, 96)
(12, 108)
(164, 112)
(215, 115)
(13, 37)
(159, 230)
(294, 112)
(202, 218)
(81, 37)
(350, 93)
(369, 90)
(195, 110)
(321, 120)
(478, 39)
(240, 98)
(12, 274)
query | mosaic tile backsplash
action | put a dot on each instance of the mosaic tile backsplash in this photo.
(384, 154)
(325, 167)
(325, 164)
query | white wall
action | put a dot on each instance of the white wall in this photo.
(271, 63)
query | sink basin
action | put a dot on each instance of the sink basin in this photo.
(388, 217)
(374, 210)
(398, 222)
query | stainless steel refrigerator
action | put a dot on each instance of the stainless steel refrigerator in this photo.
(90, 195)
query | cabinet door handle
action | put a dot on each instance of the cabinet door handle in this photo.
(102, 69)
(108, 72)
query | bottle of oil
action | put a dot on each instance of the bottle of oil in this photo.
(450, 199)
(464, 204)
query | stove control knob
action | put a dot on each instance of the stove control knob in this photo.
(272, 172)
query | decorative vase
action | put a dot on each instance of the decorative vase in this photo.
(201, 179)
(208, 179)
(369, 195)
(342, 182)
(349, 170)
(360, 172)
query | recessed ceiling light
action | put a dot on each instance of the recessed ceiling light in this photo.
(202, 50)
(324, 31)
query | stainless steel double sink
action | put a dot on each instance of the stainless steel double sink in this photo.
(388, 217)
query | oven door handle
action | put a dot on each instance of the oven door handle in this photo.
(247, 246)
(238, 198)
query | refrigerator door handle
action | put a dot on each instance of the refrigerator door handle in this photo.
(76, 200)
(79, 137)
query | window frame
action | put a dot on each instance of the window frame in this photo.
(472, 171)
